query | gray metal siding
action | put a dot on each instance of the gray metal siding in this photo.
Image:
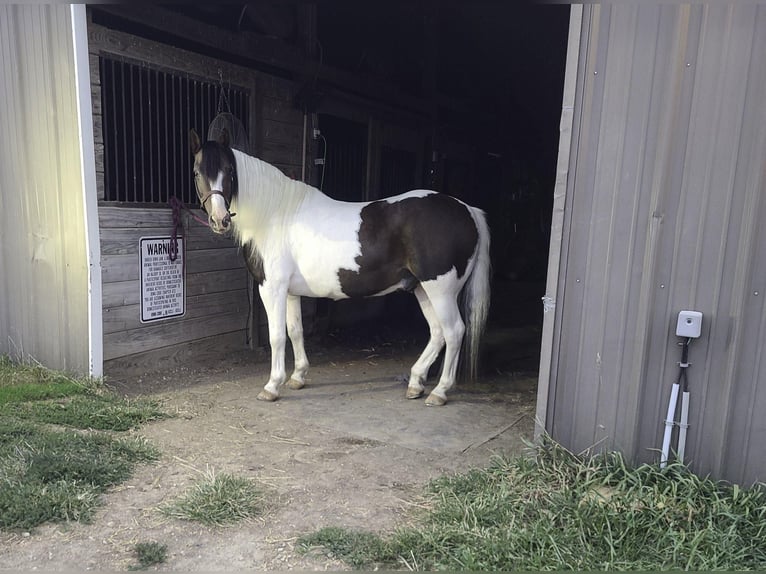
(43, 255)
(664, 212)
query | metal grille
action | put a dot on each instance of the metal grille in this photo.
(147, 115)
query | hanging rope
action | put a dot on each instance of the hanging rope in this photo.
(223, 97)
(173, 251)
(177, 205)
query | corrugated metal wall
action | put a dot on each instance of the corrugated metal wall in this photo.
(44, 265)
(665, 211)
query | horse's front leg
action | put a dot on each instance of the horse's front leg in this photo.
(274, 297)
(295, 332)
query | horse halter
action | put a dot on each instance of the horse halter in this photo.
(204, 197)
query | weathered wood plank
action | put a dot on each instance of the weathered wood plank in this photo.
(121, 241)
(209, 348)
(118, 216)
(152, 336)
(119, 268)
(217, 281)
(126, 241)
(277, 88)
(100, 187)
(102, 39)
(281, 110)
(95, 76)
(204, 260)
(95, 96)
(98, 130)
(128, 317)
(126, 266)
(276, 131)
(129, 292)
(99, 149)
(113, 216)
(279, 153)
(122, 293)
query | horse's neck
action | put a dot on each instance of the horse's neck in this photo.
(267, 201)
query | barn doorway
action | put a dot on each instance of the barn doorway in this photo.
(464, 98)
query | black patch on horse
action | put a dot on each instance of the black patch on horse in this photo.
(254, 262)
(409, 241)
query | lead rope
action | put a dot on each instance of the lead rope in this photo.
(177, 205)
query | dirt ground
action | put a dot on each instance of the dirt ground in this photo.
(347, 450)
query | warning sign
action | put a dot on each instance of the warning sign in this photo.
(163, 293)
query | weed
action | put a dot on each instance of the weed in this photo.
(219, 500)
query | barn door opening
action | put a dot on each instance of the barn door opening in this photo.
(343, 175)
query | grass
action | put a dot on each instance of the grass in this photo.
(558, 511)
(54, 461)
(219, 500)
(98, 412)
(16, 373)
(149, 554)
(33, 393)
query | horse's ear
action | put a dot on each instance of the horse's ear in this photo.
(194, 143)
(223, 139)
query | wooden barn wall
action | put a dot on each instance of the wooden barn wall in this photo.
(664, 211)
(220, 294)
(45, 264)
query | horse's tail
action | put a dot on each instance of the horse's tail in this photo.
(475, 297)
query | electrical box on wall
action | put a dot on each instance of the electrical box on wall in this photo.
(689, 324)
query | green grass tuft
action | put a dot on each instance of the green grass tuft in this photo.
(558, 511)
(28, 375)
(54, 474)
(36, 392)
(149, 554)
(356, 548)
(104, 412)
(219, 500)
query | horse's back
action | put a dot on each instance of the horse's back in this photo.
(410, 238)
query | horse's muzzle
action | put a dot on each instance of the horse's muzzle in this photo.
(221, 227)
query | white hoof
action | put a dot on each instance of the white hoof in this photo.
(435, 400)
(295, 384)
(413, 393)
(267, 396)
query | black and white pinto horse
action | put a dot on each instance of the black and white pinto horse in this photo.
(300, 242)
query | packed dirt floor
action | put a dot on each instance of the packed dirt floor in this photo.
(347, 450)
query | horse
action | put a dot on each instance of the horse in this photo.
(299, 242)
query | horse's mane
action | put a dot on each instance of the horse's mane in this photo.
(266, 200)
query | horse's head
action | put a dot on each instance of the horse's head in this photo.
(215, 178)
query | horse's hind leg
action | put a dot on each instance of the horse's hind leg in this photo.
(419, 370)
(442, 294)
(295, 332)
